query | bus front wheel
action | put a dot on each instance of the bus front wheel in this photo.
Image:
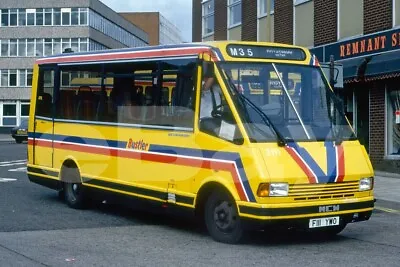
(222, 218)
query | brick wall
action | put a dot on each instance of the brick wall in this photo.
(249, 20)
(196, 21)
(377, 118)
(325, 21)
(377, 15)
(220, 22)
(283, 21)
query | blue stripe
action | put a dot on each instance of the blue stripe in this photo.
(171, 150)
(323, 177)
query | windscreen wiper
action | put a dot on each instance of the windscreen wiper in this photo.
(281, 140)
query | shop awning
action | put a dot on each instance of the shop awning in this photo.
(383, 64)
(350, 68)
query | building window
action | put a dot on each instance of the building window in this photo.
(350, 18)
(9, 114)
(4, 17)
(39, 47)
(48, 16)
(4, 48)
(25, 109)
(22, 47)
(22, 78)
(13, 17)
(57, 16)
(208, 17)
(48, 47)
(29, 77)
(13, 47)
(21, 17)
(83, 16)
(263, 7)
(393, 121)
(234, 13)
(66, 16)
(303, 17)
(39, 16)
(12, 78)
(30, 48)
(30, 17)
(75, 16)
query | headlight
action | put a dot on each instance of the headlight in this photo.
(278, 189)
(366, 184)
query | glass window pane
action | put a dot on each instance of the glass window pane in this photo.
(4, 17)
(74, 16)
(208, 7)
(83, 44)
(48, 47)
(29, 76)
(56, 16)
(30, 17)
(24, 109)
(208, 25)
(47, 16)
(13, 47)
(30, 48)
(57, 46)
(13, 17)
(9, 110)
(21, 17)
(235, 14)
(39, 47)
(75, 44)
(13, 77)
(39, 16)
(22, 48)
(22, 78)
(4, 78)
(9, 121)
(4, 48)
(83, 16)
(65, 15)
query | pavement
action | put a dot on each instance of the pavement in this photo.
(6, 138)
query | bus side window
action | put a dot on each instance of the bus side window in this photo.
(45, 93)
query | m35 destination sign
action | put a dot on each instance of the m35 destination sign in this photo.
(263, 52)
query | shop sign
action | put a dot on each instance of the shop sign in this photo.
(362, 46)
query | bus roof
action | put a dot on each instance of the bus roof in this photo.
(219, 51)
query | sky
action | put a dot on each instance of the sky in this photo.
(179, 12)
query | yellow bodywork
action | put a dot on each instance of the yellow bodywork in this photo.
(130, 157)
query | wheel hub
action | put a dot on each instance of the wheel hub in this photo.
(224, 217)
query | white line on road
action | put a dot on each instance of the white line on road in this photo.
(21, 169)
(12, 164)
(5, 180)
(13, 161)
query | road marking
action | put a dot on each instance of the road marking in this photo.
(12, 164)
(21, 169)
(13, 161)
(388, 210)
(5, 180)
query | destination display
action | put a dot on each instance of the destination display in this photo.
(265, 52)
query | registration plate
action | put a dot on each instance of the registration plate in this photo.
(324, 222)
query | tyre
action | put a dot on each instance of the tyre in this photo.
(222, 218)
(74, 191)
(18, 140)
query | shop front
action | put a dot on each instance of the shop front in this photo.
(371, 93)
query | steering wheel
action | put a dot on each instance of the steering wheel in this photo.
(217, 111)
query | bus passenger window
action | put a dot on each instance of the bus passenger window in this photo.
(45, 93)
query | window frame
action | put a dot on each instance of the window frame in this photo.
(207, 16)
(231, 5)
(8, 116)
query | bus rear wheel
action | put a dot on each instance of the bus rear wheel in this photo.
(222, 218)
(74, 191)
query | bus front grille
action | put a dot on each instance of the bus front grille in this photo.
(301, 192)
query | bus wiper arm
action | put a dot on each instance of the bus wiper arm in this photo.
(281, 140)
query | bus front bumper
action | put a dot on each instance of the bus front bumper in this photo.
(356, 210)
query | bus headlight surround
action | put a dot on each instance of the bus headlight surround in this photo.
(366, 184)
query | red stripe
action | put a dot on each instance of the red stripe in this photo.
(299, 161)
(128, 55)
(341, 168)
(169, 159)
